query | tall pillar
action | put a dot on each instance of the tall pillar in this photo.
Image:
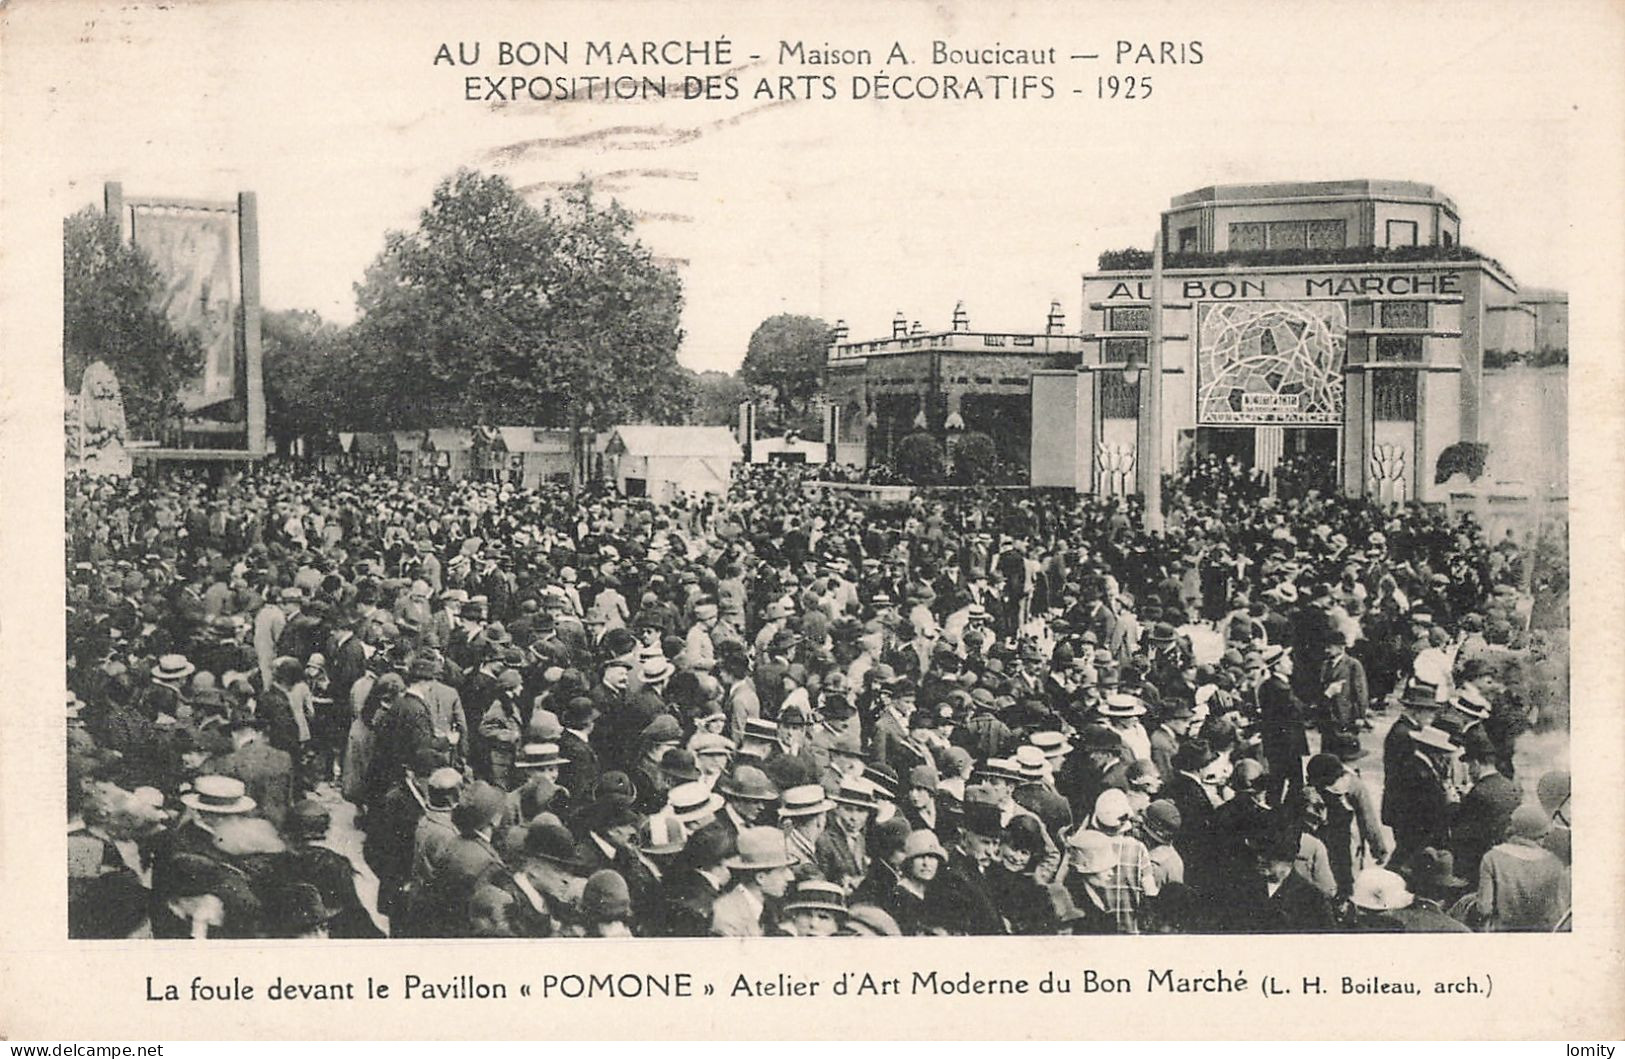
(248, 249)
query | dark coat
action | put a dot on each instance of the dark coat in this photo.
(267, 774)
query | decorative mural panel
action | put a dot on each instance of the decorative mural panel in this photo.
(1270, 362)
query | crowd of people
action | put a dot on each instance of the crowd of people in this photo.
(307, 702)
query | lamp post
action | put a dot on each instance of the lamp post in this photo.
(1148, 444)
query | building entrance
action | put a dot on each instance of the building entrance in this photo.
(1309, 460)
(1224, 442)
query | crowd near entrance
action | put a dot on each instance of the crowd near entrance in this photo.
(309, 703)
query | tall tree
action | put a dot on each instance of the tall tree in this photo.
(493, 310)
(719, 395)
(305, 369)
(110, 312)
(786, 356)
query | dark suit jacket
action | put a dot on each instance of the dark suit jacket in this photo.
(580, 770)
(1296, 908)
(266, 772)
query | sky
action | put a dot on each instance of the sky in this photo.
(337, 117)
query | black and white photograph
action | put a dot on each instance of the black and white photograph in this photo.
(531, 472)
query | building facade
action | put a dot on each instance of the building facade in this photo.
(941, 382)
(1338, 328)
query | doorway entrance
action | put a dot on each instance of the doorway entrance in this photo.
(1225, 442)
(1309, 460)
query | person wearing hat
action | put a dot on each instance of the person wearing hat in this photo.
(1134, 880)
(692, 804)
(445, 875)
(965, 881)
(1420, 797)
(1522, 885)
(650, 781)
(1278, 900)
(1122, 712)
(266, 772)
(606, 905)
(922, 899)
(1351, 831)
(269, 622)
(310, 860)
(747, 794)
(1022, 901)
(891, 702)
(1281, 724)
(440, 700)
(1433, 879)
(547, 887)
(814, 909)
(842, 851)
(1098, 764)
(219, 827)
(1091, 862)
(696, 879)
(761, 869)
(1552, 790)
(576, 722)
(1378, 898)
(500, 730)
(538, 767)
(1481, 818)
(803, 815)
(1345, 694)
(1157, 827)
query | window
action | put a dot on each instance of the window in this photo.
(1187, 240)
(992, 340)
(1122, 351)
(1248, 236)
(1447, 238)
(1401, 233)
(1024, 340)
(1399, 347)
(1393, 396)
(1404, 314)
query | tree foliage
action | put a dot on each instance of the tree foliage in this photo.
(110, 312)
(718, 395)
(497, 311)
(786, 357)
(305, 369)
(920, 460)
(976, 459)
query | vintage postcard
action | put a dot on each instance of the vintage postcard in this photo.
(914, 520)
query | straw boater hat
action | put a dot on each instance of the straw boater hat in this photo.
(1434, 738)
(539, 756)
(1119, 704)
(218, 794)
(173, 667)
(1421, 694)
(857, 792)
(1031, 763)
(690, 801)
(1053, 744)
(1380, 890)
(816, 894)
(660, 836)
(805, 800)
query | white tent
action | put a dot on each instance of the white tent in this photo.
(661, 462)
